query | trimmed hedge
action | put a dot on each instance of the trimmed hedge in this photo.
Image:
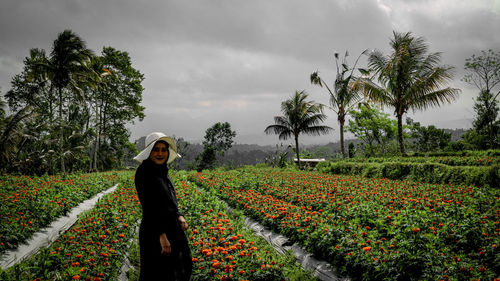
(423, 172)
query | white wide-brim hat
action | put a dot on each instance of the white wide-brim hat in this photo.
(151, 139)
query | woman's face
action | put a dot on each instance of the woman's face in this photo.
(159, 154)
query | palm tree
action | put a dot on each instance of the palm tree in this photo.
(11, 134)
(65, 68)
(410, 78)
(299, 116)
(343, 97)
(99, 89)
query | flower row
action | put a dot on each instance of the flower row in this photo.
(374, 227)
(28, 204)
(93, 248)
(221, 247)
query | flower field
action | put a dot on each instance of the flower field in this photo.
(95, 246)
(222, 248)
(373, 229)
(28, 204)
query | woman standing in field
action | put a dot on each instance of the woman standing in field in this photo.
(164, 248)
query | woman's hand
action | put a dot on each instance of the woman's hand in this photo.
(183, 222)
(166, 248)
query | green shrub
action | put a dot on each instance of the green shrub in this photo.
(424, 172)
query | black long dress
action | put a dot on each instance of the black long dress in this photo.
(160, 215)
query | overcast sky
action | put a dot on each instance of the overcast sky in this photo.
(209, 61)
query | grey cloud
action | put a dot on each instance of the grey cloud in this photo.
(209, 61)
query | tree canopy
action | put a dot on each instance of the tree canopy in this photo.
(74, 107)
(373, 127)
(483, 71)
(218, 139)
(410, 78)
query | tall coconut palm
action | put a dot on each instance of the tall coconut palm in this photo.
(11, 132)
(65, 68)
(299, 116)
(98, 86)
(409, 78)
(343, 97)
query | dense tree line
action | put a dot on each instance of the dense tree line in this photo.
(411, 78)
(69, 109)
(483, 71)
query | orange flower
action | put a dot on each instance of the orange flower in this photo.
(415, 230)
(366, 249)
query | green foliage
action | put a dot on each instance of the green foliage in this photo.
(71, 109)
(352, 150)
(451, 158)
(425, 172)
(483, 71)
(280, 157)
(374, 128)
(344, 96)
(409, 78)
(116, 102)
(218, 139)
(207, 159)
(485, 133)
(428, 139)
